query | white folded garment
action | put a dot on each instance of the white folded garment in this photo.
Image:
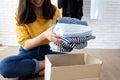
(64, 29)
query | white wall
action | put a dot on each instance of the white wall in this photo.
(107, 30)
(7, 35)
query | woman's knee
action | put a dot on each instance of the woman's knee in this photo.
(4, 71)
(6, 66)
(15, 66)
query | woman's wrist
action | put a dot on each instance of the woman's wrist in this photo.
(43, 35)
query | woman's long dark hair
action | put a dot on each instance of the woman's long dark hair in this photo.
(26, 13)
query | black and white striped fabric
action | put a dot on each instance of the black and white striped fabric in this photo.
(73, 42)
(68, 40)
(74, 33)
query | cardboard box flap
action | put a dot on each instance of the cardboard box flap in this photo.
(66, 59)
(75, 72)
(48, 69)
(91, 59)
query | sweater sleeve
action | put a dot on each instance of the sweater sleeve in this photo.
(58, 14)
(21, 31)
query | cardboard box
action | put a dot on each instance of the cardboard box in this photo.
(72, 67)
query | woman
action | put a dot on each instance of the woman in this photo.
(32, 20)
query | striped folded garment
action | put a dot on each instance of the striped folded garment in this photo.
(74, 33)
(70, 43)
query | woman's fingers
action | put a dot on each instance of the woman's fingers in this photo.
(52, 37)
(56, 39)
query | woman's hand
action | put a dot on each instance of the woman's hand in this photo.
(51, 36)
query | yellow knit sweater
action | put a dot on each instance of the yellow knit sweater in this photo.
(31, 30)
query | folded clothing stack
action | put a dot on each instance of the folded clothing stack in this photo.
(73, 32)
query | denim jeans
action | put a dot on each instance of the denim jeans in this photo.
(25, 63)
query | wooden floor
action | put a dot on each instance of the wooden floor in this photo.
(110, 67)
